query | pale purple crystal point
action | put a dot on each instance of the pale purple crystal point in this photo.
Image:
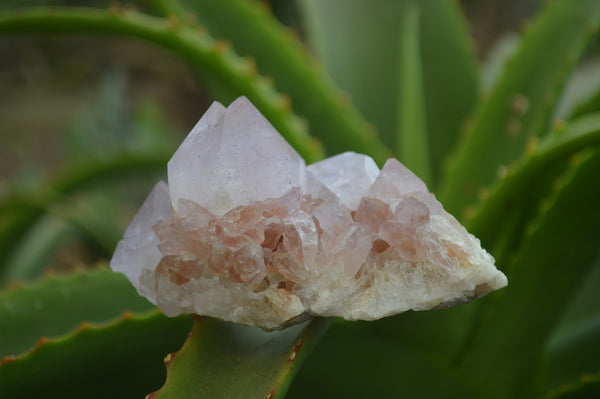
(394, 180)
(348, 175)
(138, 250)
(246, 232)
(187, 177)
(232, 157)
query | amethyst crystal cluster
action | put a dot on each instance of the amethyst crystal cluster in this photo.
(245, 231)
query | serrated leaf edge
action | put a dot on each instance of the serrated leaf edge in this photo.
(83, 327)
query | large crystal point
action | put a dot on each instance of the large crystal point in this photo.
(187, 179)
(232, 157)
(247, 233)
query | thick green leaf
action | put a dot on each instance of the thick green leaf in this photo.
(98, 215)
(19, 211)
(496, 60)
(591, 105)
(119, 360)
(32, 253)
(355, 360)
(555, 256)
(586, 303)
(413, 145)
(225, 360)
(500, 218)
(91, 217)
(581, 91)
(574, 347)
(450, 78)
(437, 335)
(368, 68)
(522, 103)
(192, 44)
(586, 91)
(573, 352)
(587, 388)
(279, 54)
(54, 306)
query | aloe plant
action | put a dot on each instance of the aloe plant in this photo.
(522, 180)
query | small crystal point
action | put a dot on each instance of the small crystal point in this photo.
(138, 250)
(395, 180)
(348, 175)
(256, 237)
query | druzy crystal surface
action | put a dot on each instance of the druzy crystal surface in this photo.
(246, 232)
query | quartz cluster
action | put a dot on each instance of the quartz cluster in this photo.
(246, 232)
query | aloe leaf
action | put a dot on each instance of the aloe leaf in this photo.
(96, 214)
(587, 387)
(369, 68)
(504, 200)
(30, 256)
(192, 44)
(278, 53)
(496, 60)
(19, 211)
(573, 352)
(581, 91)
(360, 69)
(545, 275)
(53, 306)
(591, 101)
(354, 360)
(225, 360)
(450, 78)
(436, 335)
(413, 145)
(82, 174)
(118, 360)
(586, 303)
(521, 105)
(91, 217)
(573, 349)
(591, 105)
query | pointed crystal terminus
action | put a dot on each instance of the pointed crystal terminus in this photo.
(246, 232)
(233, 156)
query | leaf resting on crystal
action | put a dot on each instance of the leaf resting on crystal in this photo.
(247, 233)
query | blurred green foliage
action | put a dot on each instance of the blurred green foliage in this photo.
(510, 146)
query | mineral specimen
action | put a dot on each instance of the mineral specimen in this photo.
(246, 232)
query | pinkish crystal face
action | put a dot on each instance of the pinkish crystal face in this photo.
(246, 232)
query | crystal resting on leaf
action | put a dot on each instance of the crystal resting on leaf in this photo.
(246, 232)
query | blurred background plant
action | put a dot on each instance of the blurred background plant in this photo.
(502, 123)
